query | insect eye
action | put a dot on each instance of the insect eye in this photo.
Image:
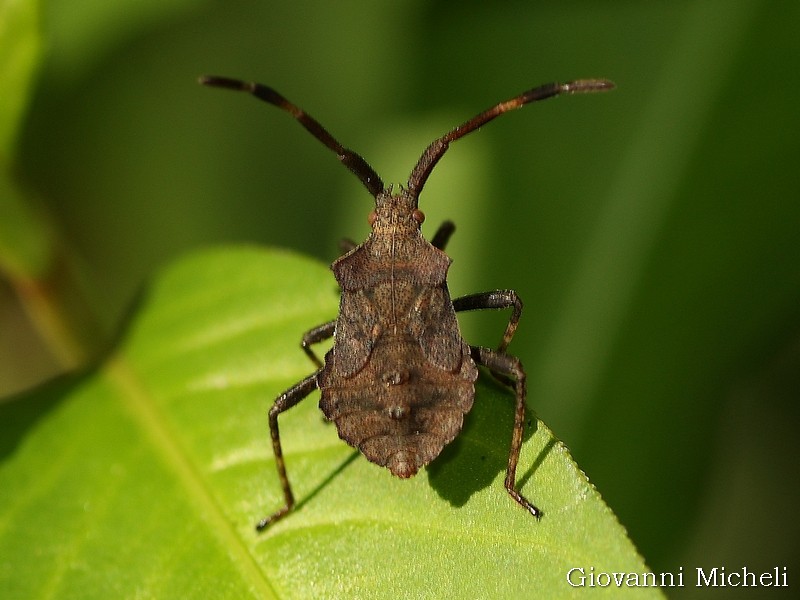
(418, 216)
(373, 216)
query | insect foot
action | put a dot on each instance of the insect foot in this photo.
(399, 377)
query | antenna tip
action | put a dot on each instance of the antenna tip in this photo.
(206, 80)
(582, 86)
(224, 82)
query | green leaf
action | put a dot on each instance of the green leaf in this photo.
(145, 476)
(83, 32)
(24, 239)
(20, 48)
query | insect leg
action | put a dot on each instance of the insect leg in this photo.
(442, 235)
(510, 368)
(496, 300)
(284, 402)
(314, 336)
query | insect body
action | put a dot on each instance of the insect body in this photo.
(399, 377)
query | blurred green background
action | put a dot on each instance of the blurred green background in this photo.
(653, 232)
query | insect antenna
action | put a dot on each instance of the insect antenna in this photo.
(437, 148)
(353, 161)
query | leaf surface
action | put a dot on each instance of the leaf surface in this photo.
(145, 476)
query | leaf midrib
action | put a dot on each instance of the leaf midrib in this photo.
(139, 403)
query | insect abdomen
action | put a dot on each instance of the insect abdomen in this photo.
(399, 410)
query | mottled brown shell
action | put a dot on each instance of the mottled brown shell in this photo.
(399, 378)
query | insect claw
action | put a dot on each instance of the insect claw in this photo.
(525, 503)
(267, 521)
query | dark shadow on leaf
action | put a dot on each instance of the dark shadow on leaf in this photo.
(548, 447)
(19, 414)
(473, 460)
(335, 473)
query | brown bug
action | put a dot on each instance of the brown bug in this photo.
(399, 377)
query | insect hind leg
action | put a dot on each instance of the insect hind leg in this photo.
(509, 368)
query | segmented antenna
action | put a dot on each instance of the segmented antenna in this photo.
(434, 152)
(348, 158)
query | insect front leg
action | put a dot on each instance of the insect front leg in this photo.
(320, 333)
(284, 402)
(497, 299)
(442, 235)
(510, 368)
